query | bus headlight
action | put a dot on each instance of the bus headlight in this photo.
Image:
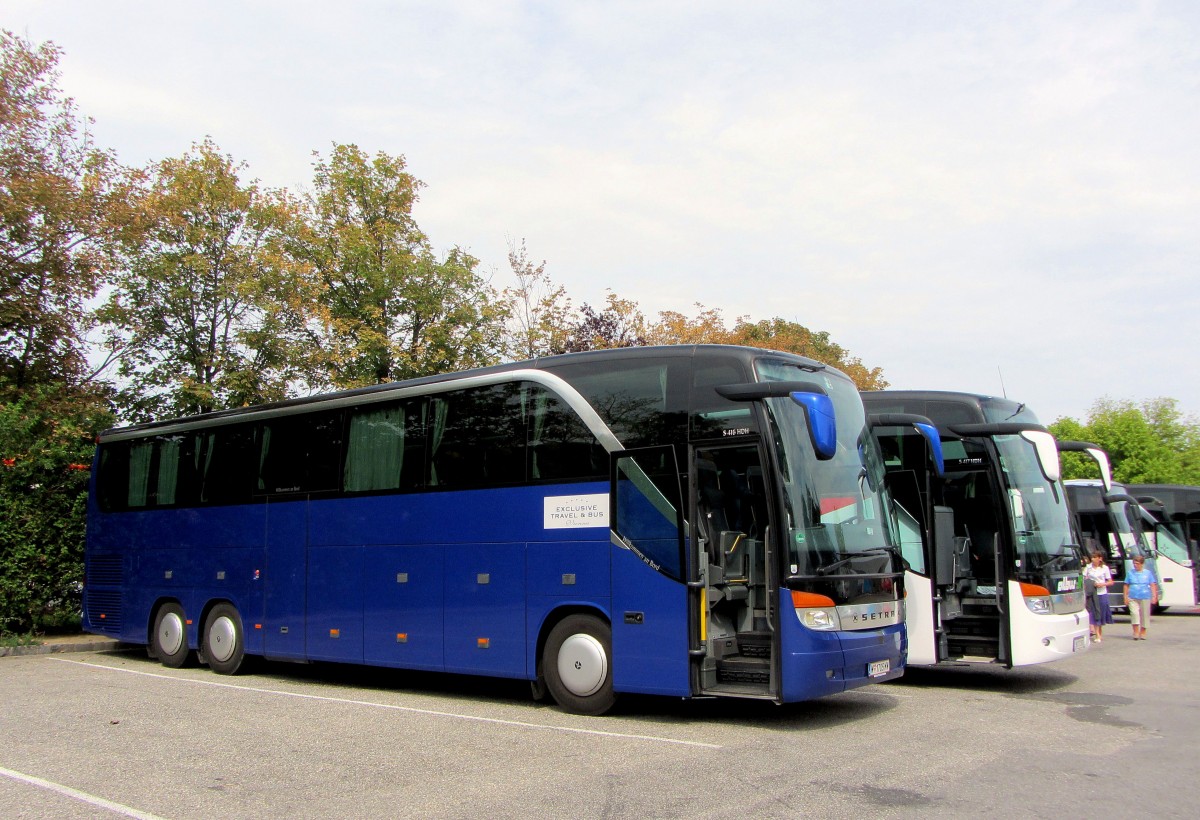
(1037, 598)
(816, 611)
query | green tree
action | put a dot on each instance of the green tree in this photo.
(61, 200)
(1074, 465)
(1151, 443)
(208, 312)
(389, 308)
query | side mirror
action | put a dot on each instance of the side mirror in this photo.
(1098, 455)
(1101, 458)
(1047, 452)
(935, 445)
(919, 423)
(822, 422)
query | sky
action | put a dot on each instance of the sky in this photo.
(996, 197)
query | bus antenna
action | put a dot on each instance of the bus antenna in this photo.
(1003, 391)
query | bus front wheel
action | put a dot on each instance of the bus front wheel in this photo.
(224, 642)
(577, 663)
(168, 642)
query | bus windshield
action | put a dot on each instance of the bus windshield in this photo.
(838, 514)
(1169, 544)
(1118, 514)
(1041, 522)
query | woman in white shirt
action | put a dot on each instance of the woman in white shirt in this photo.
(1099, 611)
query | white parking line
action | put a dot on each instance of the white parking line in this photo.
(75, 794)
(410, 709)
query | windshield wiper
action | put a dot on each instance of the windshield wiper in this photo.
(825, 569)
(1055, 559)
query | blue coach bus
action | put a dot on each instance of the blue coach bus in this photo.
(683, 521)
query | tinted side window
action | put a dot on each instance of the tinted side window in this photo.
(477, 437)
(561, 447)
(385, 446)
(112, 479)
(299, 454)
(643, 401)
(712, 415)
(150, 472)
(225, 462)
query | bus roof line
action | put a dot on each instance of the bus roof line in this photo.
(556, 384)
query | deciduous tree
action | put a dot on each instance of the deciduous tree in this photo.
(391, 309)
(207, 311)
(1150, 443)
(619, 324)
(61, 200)
(674, 328)
(539, 310)
(780, 334)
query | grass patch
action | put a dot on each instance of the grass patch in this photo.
(28, 639)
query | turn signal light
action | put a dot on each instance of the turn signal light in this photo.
(805, 600)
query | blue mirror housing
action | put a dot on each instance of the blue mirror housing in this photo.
(822, 422)
(935, 444)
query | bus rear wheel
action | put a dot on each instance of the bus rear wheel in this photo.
(168, 642)
(577, 663)
(224, 641)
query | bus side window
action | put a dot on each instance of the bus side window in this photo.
(112, 483)
(477, 437)
(385, 447)
(561, 447)
(225, 465)
(299, 453)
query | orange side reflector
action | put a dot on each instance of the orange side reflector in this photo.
(1033, 590)
(401, 637)
(806, 600)
(483, 643)
(189, 621)
(102, 616)
(258, 626)
(335, 633)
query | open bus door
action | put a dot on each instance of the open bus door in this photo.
(933, 558)
(734, 615)
(653, 638)
(976, 612)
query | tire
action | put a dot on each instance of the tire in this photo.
(577, 663)
(1158, 610)
(168, 641)
(224, 643)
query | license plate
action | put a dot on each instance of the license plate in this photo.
(878, 668)
(1078, 644)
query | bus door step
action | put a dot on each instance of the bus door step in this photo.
(744, 670)
(755, 644)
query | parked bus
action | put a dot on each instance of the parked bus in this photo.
(1177, 581)
(1176, 510)
(1170, 516)
(683, 521)
(1109, 517)
(1104, 521)
(1177, 506)
(998, 580)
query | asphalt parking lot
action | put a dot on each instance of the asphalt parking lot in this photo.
(109, 734)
